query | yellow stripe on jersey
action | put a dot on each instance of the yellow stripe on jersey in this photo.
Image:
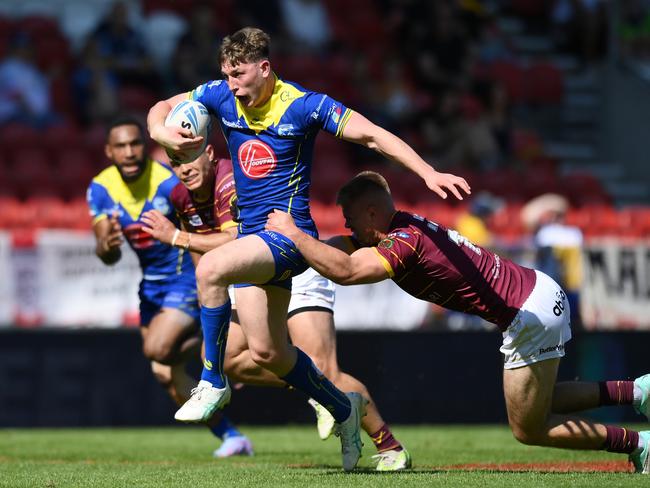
(228, 225)
(385, 263)
(99, 218)
(292, 181)
(344, 122)
(269, 114)
(133, 196)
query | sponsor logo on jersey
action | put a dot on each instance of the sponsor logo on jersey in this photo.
(314, 114)
(161, 204)
(285, 130)
(214, 83)
(256, 159)
(138, 238)
(285, 96)
(196, 221)
(234, 125)
(544, 350)
(403, 235)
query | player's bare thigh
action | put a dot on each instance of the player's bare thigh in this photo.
(528, 393)
(313, 332)
(263, 317)
(245, 260)
(162, 338)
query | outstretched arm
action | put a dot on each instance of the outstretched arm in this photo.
(161, 228)
(361, 131)
(362, 266)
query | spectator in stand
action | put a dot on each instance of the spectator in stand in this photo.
(24, 89)
(95, 86)
(458, 138)
(558, 245)
(581, 27)
(122, 48)
(307, 23)
(474, 223)
(195, 59)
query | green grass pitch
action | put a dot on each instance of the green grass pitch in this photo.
(287, 456)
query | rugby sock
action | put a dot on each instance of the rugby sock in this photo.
(616, 392)
(306, 377)
(384, 441)
(215, 323)
(225, 428)
(621, 440)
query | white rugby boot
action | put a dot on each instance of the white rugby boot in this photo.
(393, 460)
(203, 402)
(643, 384)
(348, 431)
(641, 459)
(324, 420)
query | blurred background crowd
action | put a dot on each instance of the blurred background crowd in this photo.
(518, 96)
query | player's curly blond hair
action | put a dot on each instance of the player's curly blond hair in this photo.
(366, 182)
(247, 45)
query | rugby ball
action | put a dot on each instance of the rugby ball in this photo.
(191, 115)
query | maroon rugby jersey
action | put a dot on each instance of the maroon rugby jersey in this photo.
(212, 215)
(438, 265)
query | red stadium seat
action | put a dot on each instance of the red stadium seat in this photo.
(30, 171)
(14, 137)
(62, 137)
(74, 173)
(53, 53)
(136, 99)
(511, 75)
(544, 84)
(77, 214)
(10, 213)
(38, 26)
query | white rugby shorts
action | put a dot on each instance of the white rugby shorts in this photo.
(541, 328)
(311, 290)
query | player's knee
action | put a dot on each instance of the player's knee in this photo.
(530, 436)
(266, 358)
(160, 351)
(207, 273)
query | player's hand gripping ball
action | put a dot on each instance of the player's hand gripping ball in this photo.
(193, 116)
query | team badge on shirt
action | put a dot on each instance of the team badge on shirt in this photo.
(161, 204)
(387, 243)
(196, 221)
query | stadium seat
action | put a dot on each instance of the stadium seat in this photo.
(30, 171)
(329, 219)
(74, 172)
(62, 137)
(53, 54)
(511, 75)
(78, 215)
(544, 84)
(136, 99)
(10, 213)
(531, 8)
(15, 136)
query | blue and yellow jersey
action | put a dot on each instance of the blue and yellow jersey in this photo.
(109, 194)
(271, 147)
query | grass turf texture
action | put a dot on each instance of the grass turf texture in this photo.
(287, 456)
